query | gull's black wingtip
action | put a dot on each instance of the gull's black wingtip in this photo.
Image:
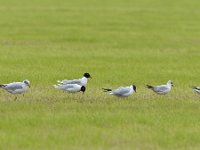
(106, 90)
(2, 85)
(149, 86)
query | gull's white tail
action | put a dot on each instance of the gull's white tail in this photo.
(56, 86)
(59, 81)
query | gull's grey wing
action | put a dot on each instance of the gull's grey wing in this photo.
(75, 81)
(70, 87)
(121, 91)
(13, 86)
(161, 88)
(65, 86)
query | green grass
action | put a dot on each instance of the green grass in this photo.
(119, 42)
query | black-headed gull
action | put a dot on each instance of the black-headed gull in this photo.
(16, 87)
(196, 89)
(121, 91)
(162, 89)
(71, 88)
(82, 81)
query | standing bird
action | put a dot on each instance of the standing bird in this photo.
(71, 88)
(196, 89)
(161, 89)
(82, 81)
(16, 87)
(121, 91)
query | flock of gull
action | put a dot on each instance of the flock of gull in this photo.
(79, 85)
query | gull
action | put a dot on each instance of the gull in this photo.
(121, 91)
(82, 81)
(16, 87)
(196, 89)
(71, 88)
(161, 89)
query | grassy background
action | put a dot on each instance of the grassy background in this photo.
(119, 42)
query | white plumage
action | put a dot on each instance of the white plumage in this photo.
(71, 88)
(121, 91)
(161, 89)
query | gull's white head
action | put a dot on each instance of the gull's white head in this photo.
(27, 82)
(170, 83)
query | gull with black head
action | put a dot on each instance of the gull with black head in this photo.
(121, 91)
(82, 81)
(71, 88)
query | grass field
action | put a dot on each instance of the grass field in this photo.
(119, 42)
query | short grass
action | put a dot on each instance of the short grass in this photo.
(119, 42)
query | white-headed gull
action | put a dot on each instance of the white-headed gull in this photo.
(121, 91)
(16, 87)
(162, 89)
